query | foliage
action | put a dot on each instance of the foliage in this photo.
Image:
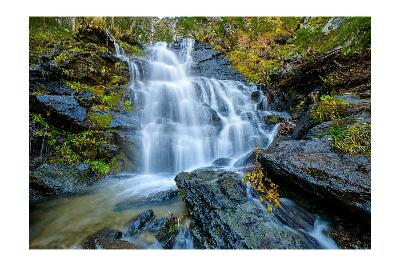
(100, 119)
(128, 106)
(264, 185)
(354, 140)
(274, 119)
(131, 49)
(329, 108)
(100, 166)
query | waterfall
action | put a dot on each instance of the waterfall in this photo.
(188, 121)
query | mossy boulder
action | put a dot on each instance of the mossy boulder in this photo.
(340, 181)
(217, 201)
(61, 178)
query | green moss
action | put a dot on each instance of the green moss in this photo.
(354, 140)
(100, 120)
(120, 163)
(111, 101)
(131, 49)
(100, 166)
(329, 108)
(118, 80)
(274, 119)
(128, 106)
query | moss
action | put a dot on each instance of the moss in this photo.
(100, 166)
(128, 106)
(120, 163)
(118, 80)
(100, 120)
(355, 140)
(274, 119)
(112, 100)
(131, 49)
(329, 108)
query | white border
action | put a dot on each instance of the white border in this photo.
(14, 130)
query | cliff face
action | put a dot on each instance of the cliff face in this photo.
(81, 114)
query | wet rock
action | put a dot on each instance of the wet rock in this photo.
(139, 222)
(150, 200)
(222, 162)
(245, 160)
(124, 121)
(256, 95)
(210, 116)
(274, 119)
(213, 64)
(303, 125)
(86, 98)
(59, 178)
(313, 167)
(223, 216)
(168, 232)
(155, 225)
(106, 239)
(53, 88)
(63, 111)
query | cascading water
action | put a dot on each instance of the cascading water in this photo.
(189, 121)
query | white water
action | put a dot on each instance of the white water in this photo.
(187, 121)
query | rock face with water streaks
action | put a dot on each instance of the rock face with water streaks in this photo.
(312, 166)
(210, 63)
(224, 217)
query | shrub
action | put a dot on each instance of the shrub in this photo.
(264, 185)
(329, 108)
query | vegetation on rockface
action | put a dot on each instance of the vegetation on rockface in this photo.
(81, 51)
(329, 108)
(257, 46)
(93, 147)
(268, 191)
(353, 139)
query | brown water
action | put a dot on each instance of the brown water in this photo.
(65, 222)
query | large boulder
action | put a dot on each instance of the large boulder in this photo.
(312, 166)
(63, 111)
(60, 178)
(223, 216)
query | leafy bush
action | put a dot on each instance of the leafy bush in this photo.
(329, 108)
(264, 185)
